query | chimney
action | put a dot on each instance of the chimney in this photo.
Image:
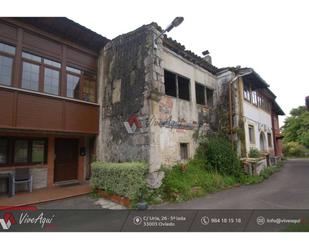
(207, 57)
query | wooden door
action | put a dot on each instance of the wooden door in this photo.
(66, 161)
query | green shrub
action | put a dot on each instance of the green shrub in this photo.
(294, 149)
(179, 185)
(216, 154)
(124, 179)
(264, 174)
(254, 153)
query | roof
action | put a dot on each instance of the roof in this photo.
(181, 50)
(67, 29)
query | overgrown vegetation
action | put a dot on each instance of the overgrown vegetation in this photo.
(216, 154)
(214, 167)
(296, 133)
(265, 174)
(254, 153)
(124, 179)
(180, 185)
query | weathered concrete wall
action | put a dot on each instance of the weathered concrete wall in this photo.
(180, 119)
(122, 93)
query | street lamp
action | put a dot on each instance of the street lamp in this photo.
(175, 23)
(240, 72)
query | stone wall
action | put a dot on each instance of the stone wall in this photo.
(124, 93)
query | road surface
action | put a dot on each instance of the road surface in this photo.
(286, 189)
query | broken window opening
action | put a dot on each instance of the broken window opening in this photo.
(183, 88)
(210, 97)
(176, 85)
(200, 94)
(184, 155)
(170, 83)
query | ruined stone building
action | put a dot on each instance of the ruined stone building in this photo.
(69, 96)
(169, 95)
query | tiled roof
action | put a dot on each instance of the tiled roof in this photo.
(180, 49)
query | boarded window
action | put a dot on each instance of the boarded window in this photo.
(170, 83)
(251, 134)
(200, 94)
(184, 155)
(183, 88)
(270, 143)
(210, 97)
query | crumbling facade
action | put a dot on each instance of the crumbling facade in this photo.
(76, 97)
(155, 98)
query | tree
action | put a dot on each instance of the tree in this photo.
(296, 127)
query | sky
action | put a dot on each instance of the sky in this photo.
(270, 36)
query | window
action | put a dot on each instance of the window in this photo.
(3, 150)
(21, 151)
(270, 143)
(7, 48)
(210, 99)
(184, 155)
(73, 70)
(30, 77)
(176, 85)
(200, 94)
(259, 101)
(7, 53)
(251, 134)
(183, 88)
(88, 90)
(73, 86)
(247, 95)
(170, 84)
(254, 97)
(33, 67)
(52, 63)
(51, 81)
(38, 151)
(31, 57)
(6, 67)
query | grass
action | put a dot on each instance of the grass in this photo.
(182, 184)
(265, 174)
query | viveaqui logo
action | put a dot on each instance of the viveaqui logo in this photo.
(7, 221)
(132, 124)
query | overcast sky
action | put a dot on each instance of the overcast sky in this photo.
(269, 36)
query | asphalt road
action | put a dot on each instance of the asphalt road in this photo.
(286, 189)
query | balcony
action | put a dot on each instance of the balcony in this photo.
(27, 110)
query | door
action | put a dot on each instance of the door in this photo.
(66, 161)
